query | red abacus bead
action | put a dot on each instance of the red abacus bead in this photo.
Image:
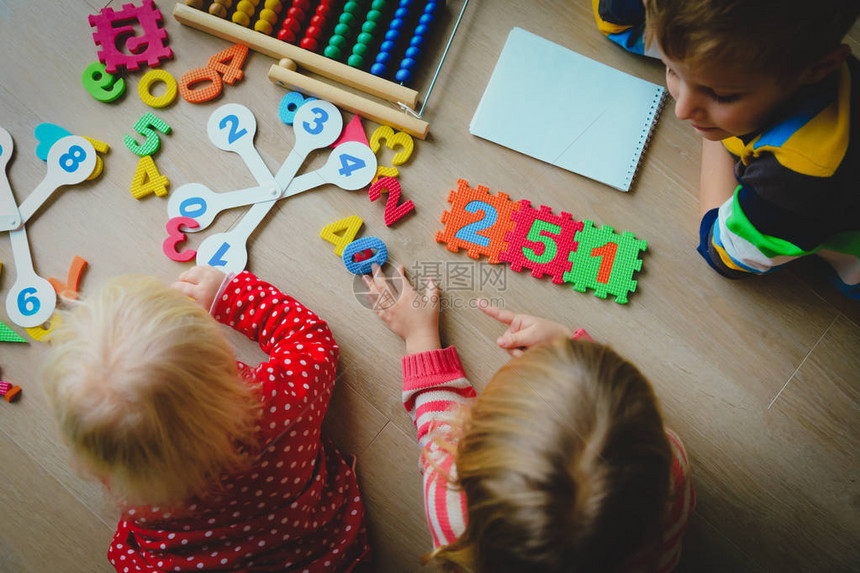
(296, 13)
(310, 44)
(324, 11)
(287, 36)
(313, 32)
(292, 24)
(303, 5)
(318, 21)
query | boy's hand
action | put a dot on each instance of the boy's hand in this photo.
(409, 315)
(201, 284)
(524, 331)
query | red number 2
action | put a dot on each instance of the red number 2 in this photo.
(607, 254)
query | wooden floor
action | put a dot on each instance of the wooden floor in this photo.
(760, 378)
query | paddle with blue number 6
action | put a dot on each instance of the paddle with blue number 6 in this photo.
(316, 125)
(32, 299)
(350, 166)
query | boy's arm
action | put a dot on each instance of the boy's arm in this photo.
(623, 22)
(718, 181)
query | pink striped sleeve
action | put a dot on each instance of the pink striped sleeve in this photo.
(433, 383)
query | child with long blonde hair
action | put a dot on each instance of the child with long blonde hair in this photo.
(561, 464)
(217, 465)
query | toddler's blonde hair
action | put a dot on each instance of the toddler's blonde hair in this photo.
(147, 393)
(565, 465)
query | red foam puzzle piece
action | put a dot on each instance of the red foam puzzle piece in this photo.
(541, 241)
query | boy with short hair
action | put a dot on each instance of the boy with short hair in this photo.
(768, 86)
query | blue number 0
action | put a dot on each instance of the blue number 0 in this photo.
(349, 163)
(234, 123)
(470, 232)
(319, 120)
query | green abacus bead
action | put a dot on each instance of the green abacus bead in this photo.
(355, 61)
(352, 7)
(370, 27)
(337, 41)
(360, 48)
(378, 6)
(347, 18)
(342, 30)
(373, 16)
(364, 38)
(333, 52)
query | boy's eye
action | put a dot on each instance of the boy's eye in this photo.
(729, 98)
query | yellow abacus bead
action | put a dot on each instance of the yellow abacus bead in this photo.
(241, 18)
(263, 26)
(246, 6)
(273, 5)
(218, 10)
(194, 3)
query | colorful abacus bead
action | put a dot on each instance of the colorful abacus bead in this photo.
(219, 8)
(370, 31)
(294, 21)
(268, 17)
(344, 31)
(244, 10)
(319, 24)
(425, 23)
(390, 48)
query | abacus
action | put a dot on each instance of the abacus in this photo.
(374, 46)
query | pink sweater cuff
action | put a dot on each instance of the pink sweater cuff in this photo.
(433, 364)
(580, 333)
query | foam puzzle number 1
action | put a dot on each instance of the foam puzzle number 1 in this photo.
(576, 252)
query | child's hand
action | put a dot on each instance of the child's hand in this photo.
(524, 331)
(409, 315)
(201, 284)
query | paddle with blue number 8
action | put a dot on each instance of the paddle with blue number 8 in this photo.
(350, 166)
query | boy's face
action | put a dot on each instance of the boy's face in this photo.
(720, 102)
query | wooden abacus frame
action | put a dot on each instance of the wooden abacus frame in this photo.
(290, 57)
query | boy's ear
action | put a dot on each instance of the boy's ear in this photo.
(826, 65)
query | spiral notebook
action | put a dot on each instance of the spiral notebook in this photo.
(558, 106)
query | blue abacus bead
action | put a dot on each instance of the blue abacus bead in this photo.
(401, 13)
(413, 53)
(426, 19)
(378, 69)
(383, 57)
(405, 4)
(396, 23)
(421, 30)
(417, 42)
(387, 46)
(403, 76)
(407, 64)
(355, 61)
(333, 52)
(431, 8)
(392, 36)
